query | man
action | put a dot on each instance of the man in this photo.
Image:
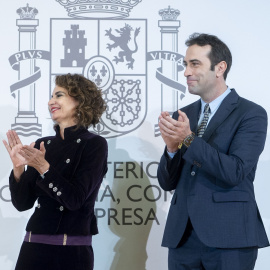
(212, 149)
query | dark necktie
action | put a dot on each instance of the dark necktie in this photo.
(203, 124)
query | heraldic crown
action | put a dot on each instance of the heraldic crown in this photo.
(98, 8)
(27, 13)
(169, 14)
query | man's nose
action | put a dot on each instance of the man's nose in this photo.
(187, 72)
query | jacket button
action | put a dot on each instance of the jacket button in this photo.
(193, 173)
(59, 193)
(61, 208)
(79, 140)
(51, 185)
(38, 206)
(68, 160)
(55, 189)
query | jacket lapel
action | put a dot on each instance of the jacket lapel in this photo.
(193, 115)
(226, 107)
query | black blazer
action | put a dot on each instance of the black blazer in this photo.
(66, 196)
(213, 178)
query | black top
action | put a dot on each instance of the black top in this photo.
(66, 196)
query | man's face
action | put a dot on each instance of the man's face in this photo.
(201, 80)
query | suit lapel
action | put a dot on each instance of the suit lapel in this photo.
(193, 115)
(226, 107)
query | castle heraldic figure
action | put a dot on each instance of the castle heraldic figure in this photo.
(211, 154)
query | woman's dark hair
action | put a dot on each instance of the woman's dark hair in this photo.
(219, 50)
(89, 96)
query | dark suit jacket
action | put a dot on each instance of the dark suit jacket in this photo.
(213, 178)
(66, 196)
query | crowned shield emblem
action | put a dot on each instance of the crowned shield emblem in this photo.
(111, 53)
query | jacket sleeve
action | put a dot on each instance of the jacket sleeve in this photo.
(89, 172)
(240, 159)
(169, 170)
(23, 194)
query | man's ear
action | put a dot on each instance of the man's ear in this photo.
(220, 68)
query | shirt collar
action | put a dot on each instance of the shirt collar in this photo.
(216, 102)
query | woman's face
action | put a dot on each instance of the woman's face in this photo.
(63, 107)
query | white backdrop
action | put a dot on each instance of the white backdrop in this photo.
(131, 208)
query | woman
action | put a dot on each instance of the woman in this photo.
(63, 175)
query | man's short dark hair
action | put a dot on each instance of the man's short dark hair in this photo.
(219, 50)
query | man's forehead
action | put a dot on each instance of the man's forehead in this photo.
(197, 52)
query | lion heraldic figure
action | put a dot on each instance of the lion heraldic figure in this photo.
(122, 42)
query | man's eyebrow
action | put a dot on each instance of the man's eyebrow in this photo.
(191, 61)
(194, 60)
